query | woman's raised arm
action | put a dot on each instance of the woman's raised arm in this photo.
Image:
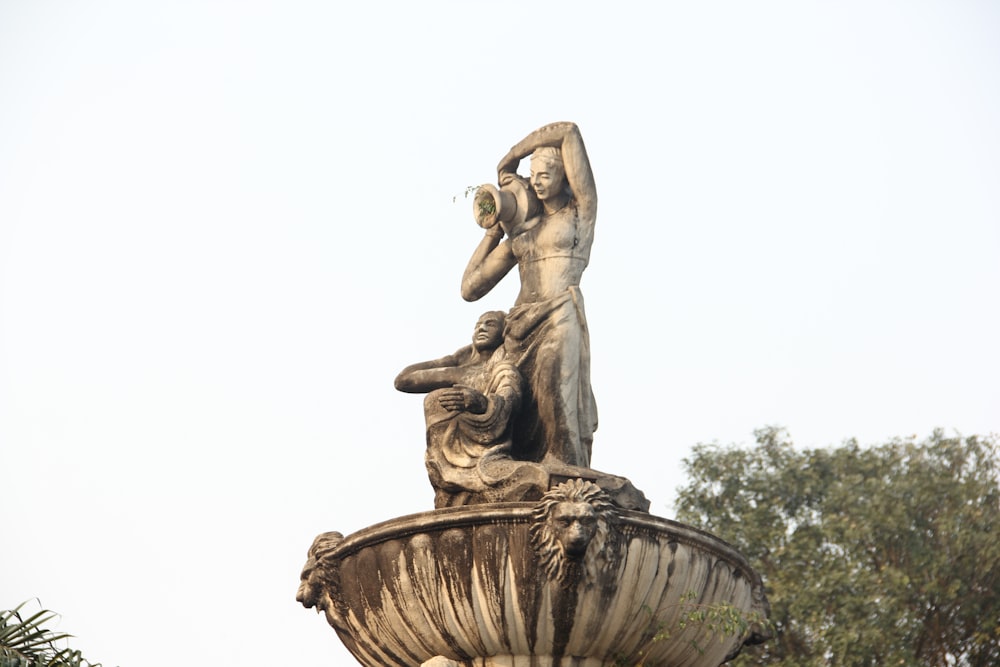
(567, 138)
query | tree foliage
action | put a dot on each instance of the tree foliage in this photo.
(26, 642)
(886, 555)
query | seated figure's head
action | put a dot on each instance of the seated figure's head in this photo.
(488, 334)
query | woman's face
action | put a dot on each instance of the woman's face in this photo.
(546, 178)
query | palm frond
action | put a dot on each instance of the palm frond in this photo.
(26, 642)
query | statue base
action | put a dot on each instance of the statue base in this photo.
(515, 585)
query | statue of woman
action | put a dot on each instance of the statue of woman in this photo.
(546, 334)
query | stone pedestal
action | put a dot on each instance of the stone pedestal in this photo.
(505, 585)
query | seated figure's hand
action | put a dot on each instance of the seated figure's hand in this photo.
(463, 399)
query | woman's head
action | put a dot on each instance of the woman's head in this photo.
(550, 156)
(548, 175)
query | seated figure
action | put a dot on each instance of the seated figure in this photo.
(474, 394)
(473, 397)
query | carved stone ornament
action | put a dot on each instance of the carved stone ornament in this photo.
(575, 533)
(319, 582)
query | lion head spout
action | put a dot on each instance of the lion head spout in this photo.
(318, 583)
(575, 529)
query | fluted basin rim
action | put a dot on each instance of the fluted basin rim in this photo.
(517, 513)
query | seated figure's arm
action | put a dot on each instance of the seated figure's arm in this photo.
(426, 376)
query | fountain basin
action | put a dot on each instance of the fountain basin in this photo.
(471, 585)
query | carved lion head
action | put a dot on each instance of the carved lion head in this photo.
(314, 585)
(574, 526)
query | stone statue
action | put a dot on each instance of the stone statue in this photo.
(546, 335)
(530, 557)
(474, 394)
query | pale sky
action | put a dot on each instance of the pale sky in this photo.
(226, 226)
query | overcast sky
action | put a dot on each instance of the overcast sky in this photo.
(226, 226)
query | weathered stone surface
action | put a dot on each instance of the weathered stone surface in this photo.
(476, 586)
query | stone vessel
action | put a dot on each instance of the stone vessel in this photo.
(498, 585)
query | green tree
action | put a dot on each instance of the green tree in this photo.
(886, 555)
(26, 642)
